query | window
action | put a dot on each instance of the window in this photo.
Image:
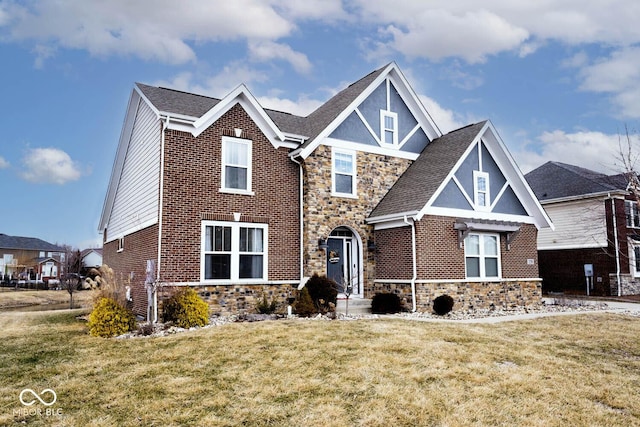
(636, 260)
(236, 165)
(482, 255)
(121, 244)
(632, 213)
(234, 251)
(343, 173)
(481, 189)
(388, 127)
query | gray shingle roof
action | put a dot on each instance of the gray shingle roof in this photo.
(417, 185)
(27, 243)
(555, 180)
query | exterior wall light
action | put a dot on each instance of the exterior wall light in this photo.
(322, 244)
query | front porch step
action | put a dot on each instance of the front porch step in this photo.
(356, 306)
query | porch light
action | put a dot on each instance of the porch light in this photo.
(322, 244)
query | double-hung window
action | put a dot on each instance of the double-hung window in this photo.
(632, 213)
(233, 251)
(343, 173)
(482, 255)
(388, 127)
(236, 165)
(481, 190)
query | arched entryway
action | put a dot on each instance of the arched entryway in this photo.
(344, 260)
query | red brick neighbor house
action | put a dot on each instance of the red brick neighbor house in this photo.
(595, 247)
(237, 201)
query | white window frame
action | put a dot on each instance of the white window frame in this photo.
(633, 258)
(249, 167)
(353, 174)
(482, 256)
(235, 252)
(477, 175)
(121, 244)
(632, 213)
(384, 129)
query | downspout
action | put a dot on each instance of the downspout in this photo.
(415, 268)
(615, 240)
(160, 203)
(301, 219)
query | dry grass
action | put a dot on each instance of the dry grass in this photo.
(571, 370)
(9, 297)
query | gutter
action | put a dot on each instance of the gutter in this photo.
(415, 268)
(301, 195)
(165, 124)
(615, 240)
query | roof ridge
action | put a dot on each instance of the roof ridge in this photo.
(584, 173)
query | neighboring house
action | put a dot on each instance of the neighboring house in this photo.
(237, 200)
(29, 258)
(596, 225)
(91, 258)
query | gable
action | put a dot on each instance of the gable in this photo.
(364, 125)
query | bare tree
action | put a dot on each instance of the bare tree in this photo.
(72, 280)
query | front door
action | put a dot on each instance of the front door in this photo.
(343, 261)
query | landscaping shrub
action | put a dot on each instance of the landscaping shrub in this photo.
(386, 303)
(323, 292)
(109, 319)
(186, 309)
(442, 305)
(304, 306)
(266, 307)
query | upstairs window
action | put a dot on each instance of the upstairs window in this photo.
(343, 173)
(389, 127)
(236, 165)
(632, 213)
(482, 255)
(481, 190)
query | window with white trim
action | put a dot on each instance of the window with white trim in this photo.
(236, 165)
(482, 255)
(481, 189)
(120, 244)
(388, 127)
(234, 251)
(632, 213)
(343, 173)
(635, 261)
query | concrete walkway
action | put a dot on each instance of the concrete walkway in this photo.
(613, 307)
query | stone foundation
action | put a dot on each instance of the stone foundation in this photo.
(469, 295)
(629, 285)
(235, 299)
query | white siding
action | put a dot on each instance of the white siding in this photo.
(578, 224)
(136, 199)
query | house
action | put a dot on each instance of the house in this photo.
(595, 247)
(29, 258)
(91, 258)
(239, 201)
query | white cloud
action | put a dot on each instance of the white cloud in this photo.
(3, 163)
(268, 50)
(445, 119)
(303, 106)
(592, 150)
(49, 165)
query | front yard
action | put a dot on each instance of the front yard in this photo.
(570, 370)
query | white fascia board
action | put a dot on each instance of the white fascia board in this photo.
(366, 148)
(570, 246)
(125, 138)
(617, 194)
(482, 215)
(391, 217)
(242, 96)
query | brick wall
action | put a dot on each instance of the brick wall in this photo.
(394, 258)
(439, 255)
(191, 193)
(130, 264)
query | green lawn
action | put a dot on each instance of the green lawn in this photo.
(557, 371)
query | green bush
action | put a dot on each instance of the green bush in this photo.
(266, 307)
(109, 319)
(304, 306)
(442, 305)
(386, 303)
(186, 309)
(323, 292)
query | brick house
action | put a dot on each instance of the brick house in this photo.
(596, 224)
(237, 200)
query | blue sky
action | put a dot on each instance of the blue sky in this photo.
(559, 80)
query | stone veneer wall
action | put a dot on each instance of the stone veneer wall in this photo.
(235, 299)
(469, 295)
(376, 174)
(628, 285)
